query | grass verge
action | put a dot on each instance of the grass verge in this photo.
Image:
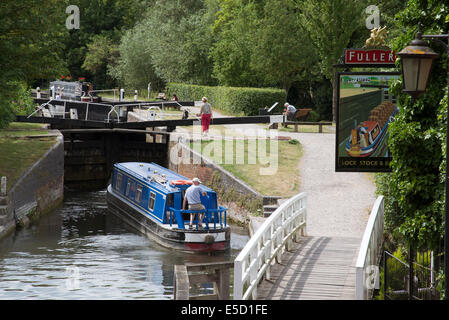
(274, 172)
(18, 153)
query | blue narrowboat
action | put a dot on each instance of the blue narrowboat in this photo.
(149, 198)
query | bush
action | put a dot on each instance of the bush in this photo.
(230, 100)
(6, 114)
(322, 99)
(313, 116)
(22, 104)
(15, 100)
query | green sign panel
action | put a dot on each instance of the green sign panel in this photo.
(365, 109)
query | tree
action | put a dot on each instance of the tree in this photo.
(101, 52)
(329, 26)
(235, 30)
(172, 41)
(281, 52)
(134, 68)
(99, 19)
(30, 34)
(414, 191)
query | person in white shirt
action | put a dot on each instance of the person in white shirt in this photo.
(193, 197)
(290, 111)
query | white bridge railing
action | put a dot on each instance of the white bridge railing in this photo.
(268, 243)
(367, 270)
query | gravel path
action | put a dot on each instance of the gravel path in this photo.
(338, 203)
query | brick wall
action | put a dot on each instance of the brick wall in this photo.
(41, 187)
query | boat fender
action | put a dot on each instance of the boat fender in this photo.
(209, 239)
(180, 182)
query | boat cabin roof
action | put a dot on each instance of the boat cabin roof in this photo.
(370, 125)
(156, 176)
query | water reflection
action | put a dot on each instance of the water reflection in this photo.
(81, 251)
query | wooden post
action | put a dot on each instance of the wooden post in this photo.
(3, 186)
(213, 272)
(223, 284)
(182, 285)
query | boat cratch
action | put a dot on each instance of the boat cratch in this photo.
(149, 198)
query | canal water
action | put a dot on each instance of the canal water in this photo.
(82, 251)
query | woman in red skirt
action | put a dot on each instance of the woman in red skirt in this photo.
(206, 115)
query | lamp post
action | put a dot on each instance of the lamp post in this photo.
(416, 60)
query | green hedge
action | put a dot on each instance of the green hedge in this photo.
(230, 100)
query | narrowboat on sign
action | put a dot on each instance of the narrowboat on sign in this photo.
(149, 198)
(367, 138)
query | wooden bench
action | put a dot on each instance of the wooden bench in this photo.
(302, 123)
(301, 114)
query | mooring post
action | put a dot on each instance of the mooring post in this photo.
(38, 93)
(122, 94)
(135, 95)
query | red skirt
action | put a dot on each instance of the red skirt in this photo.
(205, 121)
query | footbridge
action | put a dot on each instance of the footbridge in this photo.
(281, 261)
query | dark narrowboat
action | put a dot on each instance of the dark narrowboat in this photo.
(149, 198)
(366, 138)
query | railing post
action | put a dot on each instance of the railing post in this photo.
(267, 255)
(369, 251)
(267, 244)
(385, 275)
(253, 272)
(238, 283)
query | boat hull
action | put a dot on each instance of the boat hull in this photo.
(213, 240)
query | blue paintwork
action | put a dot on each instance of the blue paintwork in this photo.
(167, 197)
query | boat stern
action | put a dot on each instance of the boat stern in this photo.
(207, 241)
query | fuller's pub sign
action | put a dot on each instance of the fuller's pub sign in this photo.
(365, 107)
(366, 57)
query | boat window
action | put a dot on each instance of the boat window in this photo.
(152, 200)
(139, 193)
(170, 202)
(127, 188)
(118, 182)
(375, 132)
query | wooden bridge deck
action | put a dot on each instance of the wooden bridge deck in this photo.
(320, 268)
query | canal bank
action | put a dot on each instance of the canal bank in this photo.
(40, 187)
